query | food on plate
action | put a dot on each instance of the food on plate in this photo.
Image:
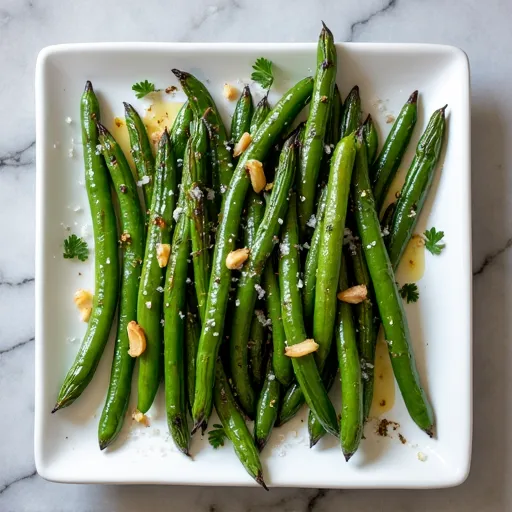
(106, 259)
(255, 264)
(130, 338)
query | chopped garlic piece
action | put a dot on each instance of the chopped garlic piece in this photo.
(301, 349)
(230, 92)
(353, 295)
(83, 301)
(242, 144)
(137, 339)
(235, 259)
(257, 175)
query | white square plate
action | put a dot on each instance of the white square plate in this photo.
(66, 447)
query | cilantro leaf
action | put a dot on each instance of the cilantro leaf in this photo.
(263, 72)
(75, 247)
(409, 292)
(141, 89)
(216, 436)
(433, 239)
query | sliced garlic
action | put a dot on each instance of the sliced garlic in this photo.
(83, 301)
(235, 259)
(230, 92)
(162, 254)
(301, 349)
(354, 295)
(140, 417)
(257, 175)
(136, 338)
(242, 144)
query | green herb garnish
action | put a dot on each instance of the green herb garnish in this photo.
(141, 89)
(75, 247)
(432, 241)
(410, 292)
(262, 73)
(216, 436)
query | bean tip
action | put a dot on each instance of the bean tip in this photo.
(186, 452)
(368, 121)
(56, 407)
(259, 479)
(359, 133)
(180, 75)
(347, 456)
(88, 86)
(264, 101)
(199, 424)
(313, 441)
(103, 444)
(101, 129)
(443, 109)
(325, 29)
(430, 431)
(260, 444)
(413, 98)
(246, 91)
(354, 91)
(127, 107)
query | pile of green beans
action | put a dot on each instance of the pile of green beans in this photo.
(311, 233)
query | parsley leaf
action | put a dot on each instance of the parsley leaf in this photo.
(75, 247)
(433, 239)
(409, 292)
(141, 89)
(216, 436)
(263, 72)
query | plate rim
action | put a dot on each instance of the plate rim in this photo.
(44, 470)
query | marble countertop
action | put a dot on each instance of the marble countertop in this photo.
(481, 28)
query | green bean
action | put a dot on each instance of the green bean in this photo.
(387, 218)
(293, 399)
(315, 429)
(267, 408)
(332, 135)
(249, 284)
(367, 327)
(106, 275)
(201, 101)
(195, 159)
(282, 115)
(141, 151)
(350, 373)
(174, 324)
(180, 133)
(234, 425)
(149, 305)
(313, 146)
(132, 222)
(371, 138)
(242, 116)
(416, 187)
(390, 157)
(331, 241)
(305, 368)
(255, 212)
(261, 113)
(291, 403)
(282, 364)
(390, 305)
(311, 264)
(192, 333)
(256, 345)
(351, 116)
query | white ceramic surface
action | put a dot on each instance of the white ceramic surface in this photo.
(66, 444)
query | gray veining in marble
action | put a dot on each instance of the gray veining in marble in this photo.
(482, 29)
